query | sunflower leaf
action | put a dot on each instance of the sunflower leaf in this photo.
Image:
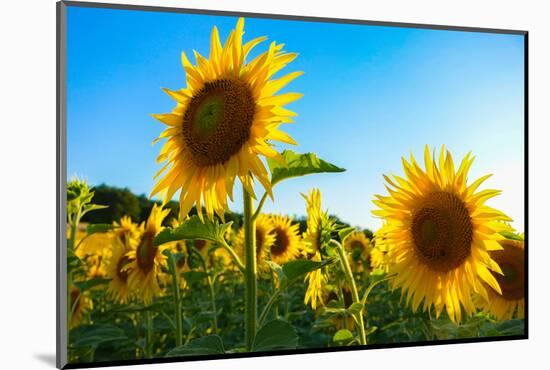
(98, 228)
(89, 284)
(343, 337)
(194, 228)
(276, 334)
(298, 165)
(208, 345)
(296, 268)
(345, 232)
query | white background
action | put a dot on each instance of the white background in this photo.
(27, 182)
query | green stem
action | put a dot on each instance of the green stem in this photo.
(149, 338)
(250, 311)
(177, 299)
(354, 294)
(211, 288)
(235, 257)
(260, 205)
(273, 288)
(72, 238)
(267, 308)
(213, 299)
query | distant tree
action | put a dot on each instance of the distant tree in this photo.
(120, 202)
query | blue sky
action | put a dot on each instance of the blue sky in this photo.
(371, 95)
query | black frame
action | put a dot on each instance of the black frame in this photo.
(61, 287)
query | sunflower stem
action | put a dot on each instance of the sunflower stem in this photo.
(214, 309)
(210, 287)
(354, 294)
(149, 334)
(235, 257)
(177, 299)
(260, 205)
(250, 311)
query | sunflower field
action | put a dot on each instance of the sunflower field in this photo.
(444, 265)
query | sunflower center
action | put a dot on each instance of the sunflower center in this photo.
(182, 260)
(511, 262)
(442, 231)
(120, 271)
(199, 244)
(281, 243)
(259, 241)
(217, 121)
(146, 252)
(356, 250)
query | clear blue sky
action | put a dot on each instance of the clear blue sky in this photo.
(371, 95)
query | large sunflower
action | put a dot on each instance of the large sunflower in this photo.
(359, 248)
(440, 233)
(146, 259)
(265, 238)
(225, 118)
(511, 302)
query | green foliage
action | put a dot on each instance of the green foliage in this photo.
(298, 165)
(95, 335)
(194, 228)
(343, 337)
(276, 334)
(298, 268)
(121, 202)
(209, 345)
(98, 228)
(89, 284)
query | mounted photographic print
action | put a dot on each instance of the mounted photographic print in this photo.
(234, 185)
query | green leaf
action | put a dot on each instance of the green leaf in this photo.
(276, 334)
(298, 165)
(296, 268)
(355, 308)
(98, 228)
(94, 335)
(511, 327)
(208, 345)
(193, 229)
(344, 233)
(194, 276)
(343, 337)
(89, 284)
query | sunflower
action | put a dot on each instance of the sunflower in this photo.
(312, 239)
(359, 248)
(127, 231)
(94, 250)
(146, 259)
(118, 288)
(286, 245)
(80, 305)
(225, 118)
(440, 233)
(511, 302)
(265, 238)
(345, 300)
(97, 244)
